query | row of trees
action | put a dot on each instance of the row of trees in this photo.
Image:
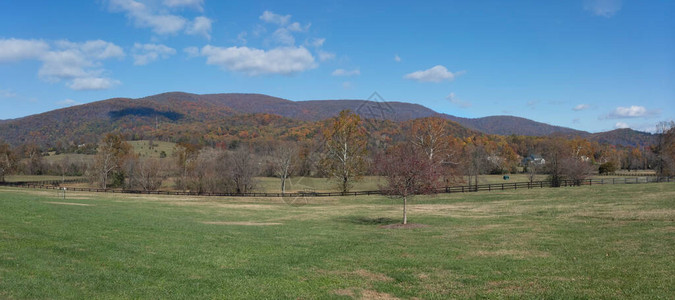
(344, 151)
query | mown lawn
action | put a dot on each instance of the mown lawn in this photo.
(583, 242)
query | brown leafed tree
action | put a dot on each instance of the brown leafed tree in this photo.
(345, 146)
(407, 173)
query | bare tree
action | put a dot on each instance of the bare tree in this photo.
(242, 168)
(665, 148)
(555, 152)
(146, 173)
(283, 159)
(186, 159)
(345, 144)
(7, 160)
(110, 158)
(575, 169)
(407, 173)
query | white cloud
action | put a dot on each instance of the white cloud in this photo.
(146, 53)
(397, 58)
(316, 42)
(581, 107)
(68, 102)
(77, 63)
(604, 8)
(435, 74)
(241, 37)
(347, 85)
(270, 17)
(295, 26)
(72, 61)
(7, 94)
(191, 51)
(159, 18)
(284, 37)
(200, 26)
(12, 50)
(143, 16)
(634, 111)
(253, 62)
(343, 72)
(196, 4)
(453, 99)
(621, 125)
(324, 55)
(92, 83)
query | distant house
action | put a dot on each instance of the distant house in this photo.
(534, 158)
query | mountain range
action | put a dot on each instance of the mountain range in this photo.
(87, 122)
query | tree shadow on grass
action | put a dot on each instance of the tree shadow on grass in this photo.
(361, 220)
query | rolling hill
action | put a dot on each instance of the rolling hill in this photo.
(178, 114)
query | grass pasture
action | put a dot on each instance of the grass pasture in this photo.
(613, 241)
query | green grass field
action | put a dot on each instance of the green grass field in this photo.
(142, 148)
(584, 242)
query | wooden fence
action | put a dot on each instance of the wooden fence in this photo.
(55, 185)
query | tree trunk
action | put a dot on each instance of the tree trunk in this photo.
(405, 211)
(283, 185)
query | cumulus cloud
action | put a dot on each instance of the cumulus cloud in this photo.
(621, 125)
(253, 62)
(12, 50)
(295, 26)
(191, 51)
(67, 102)
(73, 61)
(195, 4)
(397, 58)
(453, 99)
(270, 17)
(604, 8)
(435, 74)
(77, 63)
(633, 111)
(200, 26)
(92, 83)
(283, 36)
(581, 107)
(324, 55)
(343, 72)
(160, 21)
(316, 42)
(146, 53)
(7, 94)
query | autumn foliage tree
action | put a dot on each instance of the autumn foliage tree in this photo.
(345, 146)
(407, 173)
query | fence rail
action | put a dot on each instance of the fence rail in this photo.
(55, 185)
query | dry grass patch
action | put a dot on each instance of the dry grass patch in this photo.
(241, 223)
(69, 203)
(375, 295)
(513, 253)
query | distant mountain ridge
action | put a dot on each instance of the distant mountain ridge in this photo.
(185, 108)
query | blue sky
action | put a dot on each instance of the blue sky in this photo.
(593, 65)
